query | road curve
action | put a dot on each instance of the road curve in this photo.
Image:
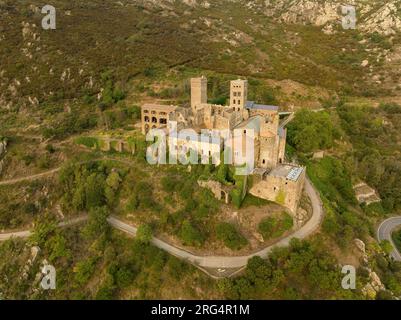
(222, 262)
(384, 233)
(212, 262)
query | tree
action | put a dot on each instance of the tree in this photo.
(144, 233)
(113, 180)
(272, 227)
(190, 235)
(227, 233)
(57, 246)
(386, 246)
(310, 131)
(42, 232)
(94, 191)
(97, 223)
(222, 173)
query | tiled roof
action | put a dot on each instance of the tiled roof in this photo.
(253, 105)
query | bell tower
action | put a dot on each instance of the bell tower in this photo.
(198, 92)
(238, 94)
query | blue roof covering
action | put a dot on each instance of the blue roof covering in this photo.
(253, 105)
(281, 132)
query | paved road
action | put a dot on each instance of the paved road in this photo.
(214, 262)
(384, 233)
(27, 233)
(204, 262)
(229, 262)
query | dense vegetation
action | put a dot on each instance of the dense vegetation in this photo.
(274, 227)
(375, 135)
(64, 84)
(305, 270)
(311, 131)
(231, 237)
(397, 239)
(96, 263)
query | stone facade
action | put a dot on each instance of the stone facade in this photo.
(241, 117)
(283, 185)
(155, 116)
(198, 92)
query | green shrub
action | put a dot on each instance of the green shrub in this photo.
(232, 239)
(190, 235)
(271, 227)
(144, 233)
(310, 131)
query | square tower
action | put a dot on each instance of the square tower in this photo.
(198, 92)
(238, 94)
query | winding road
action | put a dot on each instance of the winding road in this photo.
(28, 233)
(384, 233)
(203, 262)
(232, 262)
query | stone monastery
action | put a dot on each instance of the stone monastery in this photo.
(274, 179)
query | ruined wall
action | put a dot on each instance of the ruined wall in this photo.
(155, 116)
(217, 189)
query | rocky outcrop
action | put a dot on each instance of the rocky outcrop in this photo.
(383, 18)
(374, 285)
(386, 20)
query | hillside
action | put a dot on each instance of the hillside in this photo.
(66, 94)
(267, 40)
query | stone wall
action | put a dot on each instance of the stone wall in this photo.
(119, 145)
(220, 191)
(268, 152)
(155, 116)
(281, 190)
